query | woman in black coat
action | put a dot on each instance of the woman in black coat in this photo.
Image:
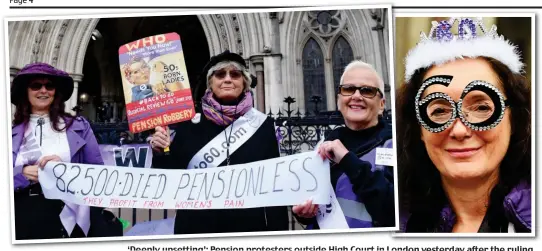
(227, 98)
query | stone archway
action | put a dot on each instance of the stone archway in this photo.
(101, 61)
(64, 43)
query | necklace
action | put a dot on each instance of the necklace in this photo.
(225, 134)
(40, 122)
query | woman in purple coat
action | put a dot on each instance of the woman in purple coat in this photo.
(42, 131)
(464, 133)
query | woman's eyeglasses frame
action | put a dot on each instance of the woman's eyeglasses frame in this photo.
(362, 90)
(36, 86)
(221, 74)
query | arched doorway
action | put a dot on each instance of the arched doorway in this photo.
(101, 79)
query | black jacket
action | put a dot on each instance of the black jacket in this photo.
(31, 224)
(189, 139)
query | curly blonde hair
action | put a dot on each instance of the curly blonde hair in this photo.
(133, 60)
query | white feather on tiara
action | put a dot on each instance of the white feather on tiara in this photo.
(472, 40)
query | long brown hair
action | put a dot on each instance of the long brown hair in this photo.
(420, 189)
(56, 111)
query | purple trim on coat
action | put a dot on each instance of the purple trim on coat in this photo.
(17, 135)
(371, 156)
(83, 147)
(517, 207)
(404, 215)
(447, 216)
(344, 187)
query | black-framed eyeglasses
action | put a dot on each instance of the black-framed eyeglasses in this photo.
(36, 86)
(365, 91)
(234, 74)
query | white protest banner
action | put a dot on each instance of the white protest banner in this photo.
(281, 181)
(330, 216)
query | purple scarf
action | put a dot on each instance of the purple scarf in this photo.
(225, 114)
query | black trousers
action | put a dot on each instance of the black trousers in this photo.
(38, 218)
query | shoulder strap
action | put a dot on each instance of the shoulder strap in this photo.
(242, 129)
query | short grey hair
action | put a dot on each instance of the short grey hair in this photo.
(224, 64)
(358, 64)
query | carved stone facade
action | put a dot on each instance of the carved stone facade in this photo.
(271, 43)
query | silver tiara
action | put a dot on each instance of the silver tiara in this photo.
(467, 29)
(470, 40)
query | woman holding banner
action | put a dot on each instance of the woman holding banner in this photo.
(363, 186)
(226, 100)
(42, 132)
(465, 133)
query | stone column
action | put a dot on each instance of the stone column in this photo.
(275, 33)
(273, 91)
(330, 88)
(273, 67)
(72, 102)
(12, 72)
(257, 61)
(378, 15)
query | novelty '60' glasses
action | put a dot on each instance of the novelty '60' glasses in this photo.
(481, 106)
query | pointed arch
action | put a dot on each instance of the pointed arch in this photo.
(314, 82)
(341, 55)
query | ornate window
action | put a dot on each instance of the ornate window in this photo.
(314, 82)
(342, 55)
(327, 32)
(324, 23)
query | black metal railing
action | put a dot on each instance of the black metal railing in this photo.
(295, 129)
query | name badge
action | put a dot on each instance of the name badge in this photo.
(384, 157)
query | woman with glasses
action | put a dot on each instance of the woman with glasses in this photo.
(226, 100)
(464, 138)
(363, 186)
(42, 131)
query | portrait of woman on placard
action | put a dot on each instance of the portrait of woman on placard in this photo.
(464, 133)
(43, 131)
(227, 97)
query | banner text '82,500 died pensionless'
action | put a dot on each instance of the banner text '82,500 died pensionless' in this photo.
(281, 181)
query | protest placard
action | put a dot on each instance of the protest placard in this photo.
(281, 181)
(155, 82)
